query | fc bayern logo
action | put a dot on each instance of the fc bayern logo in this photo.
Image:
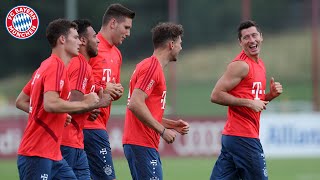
(22, 22)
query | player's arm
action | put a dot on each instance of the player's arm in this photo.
(23, 99)
(77, 72)
(275, 90)
(114, 89)
(117, 80)
(111, 88)
(76, 95)
(53, 103)
(235, 72)
(180, 125)
(139, 108)
(23, 102)
(97, 73)
(104, 100)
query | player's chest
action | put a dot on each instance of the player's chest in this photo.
(111, 60)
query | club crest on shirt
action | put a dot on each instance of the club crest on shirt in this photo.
(22, 22)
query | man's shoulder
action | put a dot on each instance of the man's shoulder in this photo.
(147, 62)
(100, 58)
(48, 63)
(241, 56)
(52, 61)
(77, 61)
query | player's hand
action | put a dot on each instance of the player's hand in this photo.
(169, 135)
(94, 114)
(275, 88)
(119, 92)
(114, 89)
(92, 99)
(105, 99)
(182, 127)
(258, 105)
(68, 120)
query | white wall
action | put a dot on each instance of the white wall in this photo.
(290, 135)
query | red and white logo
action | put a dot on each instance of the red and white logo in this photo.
(22, 22)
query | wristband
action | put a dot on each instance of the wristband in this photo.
(161, 134)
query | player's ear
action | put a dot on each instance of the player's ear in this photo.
(83, 40)
(61, 39)
(113, 23)
(240, 41)
(261, 37)
(171, 44)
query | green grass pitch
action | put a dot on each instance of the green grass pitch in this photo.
(200, 168)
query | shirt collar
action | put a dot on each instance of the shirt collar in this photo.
(104, 41)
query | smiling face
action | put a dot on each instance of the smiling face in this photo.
(250, 41)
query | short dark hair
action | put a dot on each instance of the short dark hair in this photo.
(58, 27)
(164, 32)
(82, 24)
(245, 25)
(117, 11)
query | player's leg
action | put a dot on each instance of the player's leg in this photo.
(249, 158)
(224, 168)
(144, 163)
(69, 154)
(62, 170)
(33, 167)
(81, 168)
(97, 147)
(128, 152)
(77, 160)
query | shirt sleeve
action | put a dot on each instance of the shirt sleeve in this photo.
(77, 74)
(53, 77)
(97, 74)
(147, 77)
(27, 88)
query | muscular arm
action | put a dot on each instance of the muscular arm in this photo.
(269, 97)
(139, 108)
(76, 95)
(168, 123)
(53, 103)
(23, 102)
(179, 125)
(235, 72)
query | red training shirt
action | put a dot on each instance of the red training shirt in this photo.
(243, 121)
(79, 73)
(105, 67)
(42, 136)
(149, 77)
